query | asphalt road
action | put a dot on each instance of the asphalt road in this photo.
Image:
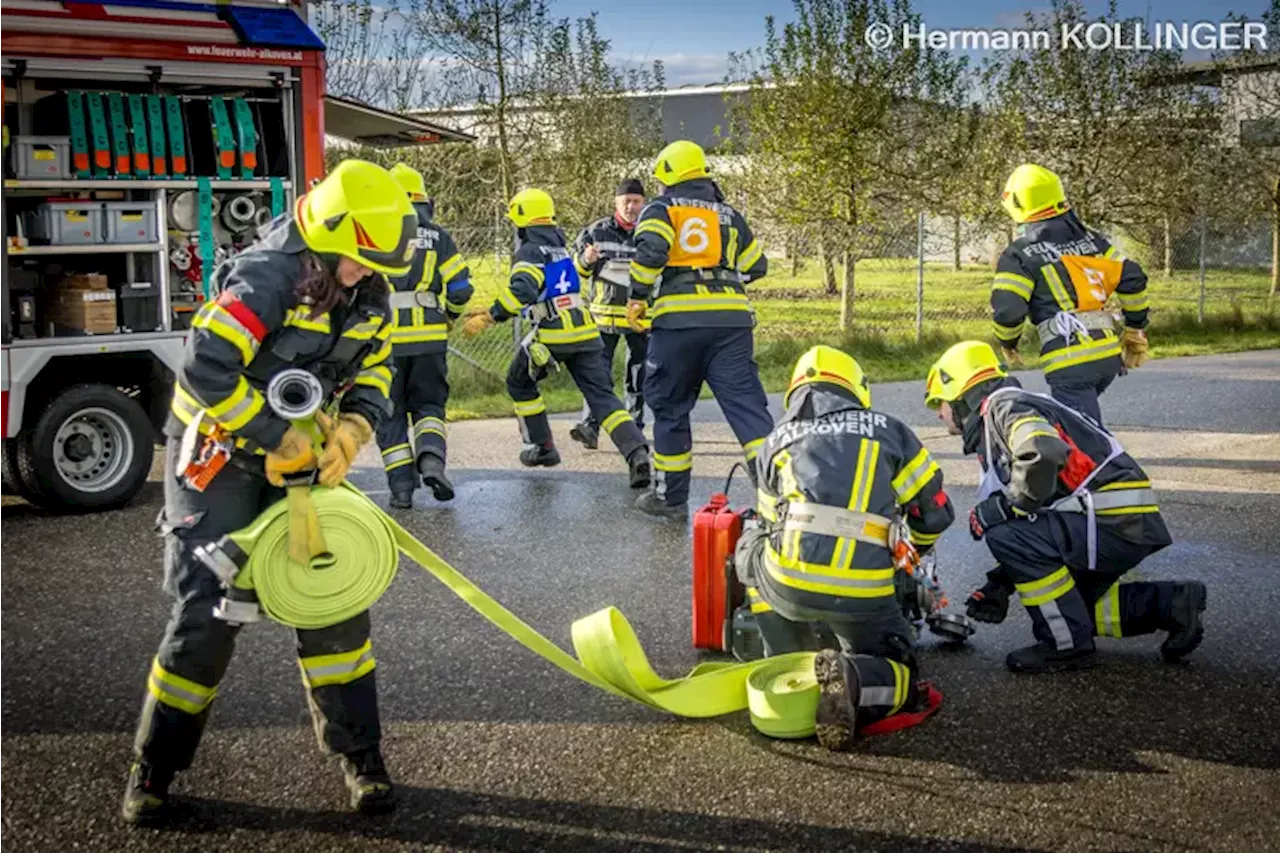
(495, 750)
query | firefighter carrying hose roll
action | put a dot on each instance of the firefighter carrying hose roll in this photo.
(1057, 276)
(545, 290)
(427, 301)
(694, 256)
(311, 295)
(602, 254)
(834, 476)
(1065, 512)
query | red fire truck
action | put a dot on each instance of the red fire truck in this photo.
(144, 140)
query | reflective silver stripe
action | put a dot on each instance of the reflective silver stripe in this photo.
(179, 693)
(1115, 499)
(1058, 626)
(850, 583)
(414, 299)
(426, 425)
(839, 522)
(338, 668)
(877, 697)
(398, 456)
(235, 412)
(1052, 329)
(621, 248)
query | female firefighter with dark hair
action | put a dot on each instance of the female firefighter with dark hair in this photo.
(310, 294)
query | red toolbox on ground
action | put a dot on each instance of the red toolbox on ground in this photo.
(716, 591)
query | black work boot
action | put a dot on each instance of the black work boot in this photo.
(369, 782)
(1044, 658)
(544, 455)
(988, 603)
(1185, 628)
(401, 499)
(146, 796)
(586, 435)
(650, 504)
(431, 467)
(835, 722)
(638, 462)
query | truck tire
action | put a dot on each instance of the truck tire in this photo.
(14, 482)
(90, 449)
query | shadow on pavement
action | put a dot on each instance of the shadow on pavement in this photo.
(463, 820)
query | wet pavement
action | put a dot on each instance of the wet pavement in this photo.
(494, 749)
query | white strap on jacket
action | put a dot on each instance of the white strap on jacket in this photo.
(837, 521)
(1064, 324)
(539, 311)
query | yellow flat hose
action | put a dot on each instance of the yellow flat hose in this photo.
(779, 692)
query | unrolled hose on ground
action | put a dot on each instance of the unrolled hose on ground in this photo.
(780, 692)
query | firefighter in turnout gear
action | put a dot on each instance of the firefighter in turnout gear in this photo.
(602, 254)
(427, 301)
(839, 483)
(544, 290)
(694, 256)
(1058, 274)
(311, 295)
(1065, 512)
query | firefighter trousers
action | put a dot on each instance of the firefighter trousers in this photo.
(1081, 394)
(337, 662)
(878, 646)
(632, 374)
(679, 361)
(588, 373)
(1070, 604)
(419, 394)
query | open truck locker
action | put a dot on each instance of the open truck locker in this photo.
(144, 141)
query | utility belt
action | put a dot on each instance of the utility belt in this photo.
(1064, 324)
(836, 521)
(548, 309)
(414, 299)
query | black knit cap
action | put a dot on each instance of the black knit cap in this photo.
(630, 186)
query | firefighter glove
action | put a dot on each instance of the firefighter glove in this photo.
(989, 603)
(590, 254)
(635, 313)
(476, 323)
(293, 455)
(994, 510)
(343, 438)
(1134, 350)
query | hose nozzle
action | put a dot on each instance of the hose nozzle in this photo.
(295, 394)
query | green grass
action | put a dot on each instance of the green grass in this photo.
(794, 314)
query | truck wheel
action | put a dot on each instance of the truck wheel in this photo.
(13, 480)
(90, 449)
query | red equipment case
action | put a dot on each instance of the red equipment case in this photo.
(716, 591)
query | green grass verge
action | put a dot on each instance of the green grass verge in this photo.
(794, 314)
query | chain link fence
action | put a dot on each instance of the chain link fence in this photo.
(923, 279)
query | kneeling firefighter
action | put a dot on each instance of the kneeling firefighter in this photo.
(545, 291)
(1065, 512)
(834, 475)
(311, 295)
(1060, 274)
(427, 301)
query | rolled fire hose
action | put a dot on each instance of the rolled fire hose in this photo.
(780, 693)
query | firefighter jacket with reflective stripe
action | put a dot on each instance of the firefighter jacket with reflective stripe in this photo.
(545, 287)
(865, 466)
(608, 280)
(1043, 453)
(256, 327)
(1058, 274)
(440, 285)
(694, 256)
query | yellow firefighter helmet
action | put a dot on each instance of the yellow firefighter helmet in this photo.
(1033, 193)
(411, 179)
(530, 207)
(965, 365)
(680, 161)
(830, 365)
(360, 212)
